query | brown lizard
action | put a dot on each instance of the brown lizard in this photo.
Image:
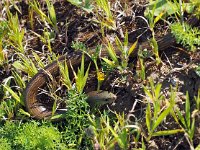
(40, 111)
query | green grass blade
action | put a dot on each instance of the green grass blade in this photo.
(65, 74)
(148, 117)
(167, 132)
(187, 110)
(52, 14)
(82, 65)
(81, 78)
(85, 77)
(36, 7)
(18, 79)
(197, 99)
(126, 40)
(161, 117)
(38, 60)
(19, 66)
(158, 17)
(54, 108)
(154, 44)
(198, 147)
(119, 44)
(147, 92)
(192, 130)
(110, 63)
(26, 65)
(181, 118)
(14, 95)
(158, 91)
(111, 52)
(24, 112)
(133, 47)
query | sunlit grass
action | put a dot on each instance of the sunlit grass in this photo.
(79, 126)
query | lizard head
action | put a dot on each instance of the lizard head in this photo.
(100, 97)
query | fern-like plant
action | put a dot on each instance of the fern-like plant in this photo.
(186, 35)
(76, 120)
(196, 5)
(30, 136)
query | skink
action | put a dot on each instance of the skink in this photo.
(40, 111)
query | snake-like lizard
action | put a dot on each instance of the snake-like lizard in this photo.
(40, 111)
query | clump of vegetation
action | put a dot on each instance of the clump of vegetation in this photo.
(35, 33)
(30, 136)
(155, 116)
(186, 35)
(3, 31)
(5, 144)
(76, 120)
(196, 5)
(123, 49)
(109, 132)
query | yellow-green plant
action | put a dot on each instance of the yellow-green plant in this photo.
(16, 95)
(76, 121)
(183, 33)
(65, 80)
(12, 98)
(141, 69)
(156, 11)
(186, 35)
(18, 80)
(153, 41)
(157, 115)
(196, 5)
(47, 20)
(52, 15)
(20, 84)
(7, 109)
(106, 19)
(167, 7)
(94, 57)
(154, 45)
(106, 132)
(187, 121)
(38, 60)
(197, 99)
(31, 17)
(114, 63)
(140, 66)
(100, 75)
(5, 144)
(3, 32)
(80, 77)
(123, 49)
(16, 33)
(46, 38)
(26, 65)
(65, 75)
(32, 135)
(14, 4)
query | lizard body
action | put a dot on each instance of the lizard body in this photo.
(40, 111)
